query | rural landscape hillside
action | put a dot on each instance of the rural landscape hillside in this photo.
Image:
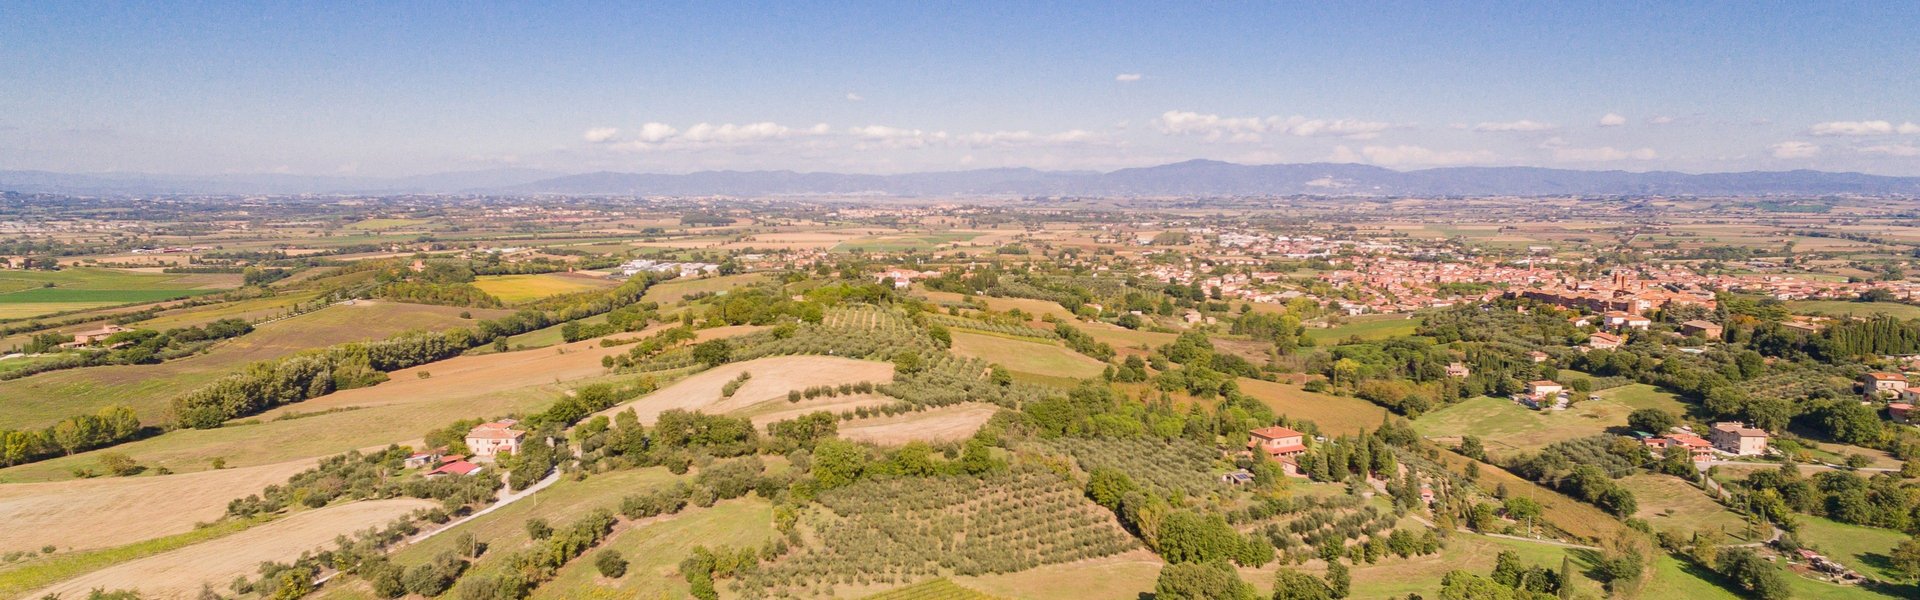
(585, 397)
(959, 301)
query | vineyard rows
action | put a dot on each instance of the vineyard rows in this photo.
(889, 531)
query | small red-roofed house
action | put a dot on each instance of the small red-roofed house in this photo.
(1277, 442)
(458, 467)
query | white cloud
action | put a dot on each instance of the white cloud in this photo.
(1892, 150)
(1412, 155)
(1522, 125)
(1660, 120)
(1128, 77)
(1862, 128)
(1349, 128)
(1023, 137)
(1612, 120)
(1851, 128)
(1602, 154)
(600, 135)
(654, 133)
(853, 97)
(897, 137)
(1792, 149)
(1249, 129)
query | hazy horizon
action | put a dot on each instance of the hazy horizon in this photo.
(387, 91)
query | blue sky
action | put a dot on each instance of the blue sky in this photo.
(386, 89)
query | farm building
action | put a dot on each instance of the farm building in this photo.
(489, 439)
(456, 467)
(1736, 438)
(1881, 383)
(1604, 341)
(1705, 329)
(1277, 442)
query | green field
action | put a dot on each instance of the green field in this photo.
(514, 289)
(1637, 396)
(1865, 549)
(1370, 327)
(909, 243)
(379, 224)
(675, 290)
(1854, 309)
(1508, 427)
(1671, 504)
(26, 294)
(1035, 358)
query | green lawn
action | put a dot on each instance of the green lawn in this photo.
(1671, 504)
(1507, 427)
(1854, 309)
(1865, 549)
(1639, 395)
(1370, 327)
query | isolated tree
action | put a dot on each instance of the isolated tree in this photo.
(1201, 581)
(1652, 420)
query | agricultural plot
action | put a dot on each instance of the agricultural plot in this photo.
(1336, 415)
(1021, 356)
(943, 424)
(654, 549)
(1397, 577)
(40, 400)
(1163, 466)
(1512, 428)
(771, 379)
(1854, 309)
(932, 589)
(400, 409)
(1371, 327)
(1671, 504)
(180, 573)
(904, 243)
(899, 530)
(672, 291)
(32, 293)
(1126, 575)
(514, 289)
(505, 529)
(69, 512)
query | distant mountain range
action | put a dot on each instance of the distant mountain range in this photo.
(1190, 178)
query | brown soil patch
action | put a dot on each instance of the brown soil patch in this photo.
(98, 513)
(944, 424)
(772, 378)
(180, 573)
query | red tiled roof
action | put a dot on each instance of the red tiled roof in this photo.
(459, 467)
(1276, 432)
